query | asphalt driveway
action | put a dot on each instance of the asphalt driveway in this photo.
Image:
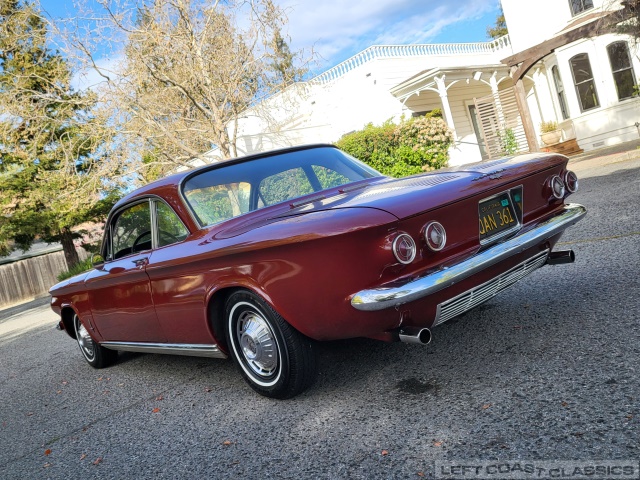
(546, 371)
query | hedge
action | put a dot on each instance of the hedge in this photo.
(415, 145)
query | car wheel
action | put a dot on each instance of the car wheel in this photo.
(275, 359)
(96, 355)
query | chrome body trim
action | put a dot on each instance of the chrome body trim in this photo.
(478, 295)
(191, 350)
(399, 293)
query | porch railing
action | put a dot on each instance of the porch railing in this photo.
(418, 50)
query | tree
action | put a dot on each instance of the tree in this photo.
(51, 174)
(189, 71)
(631, 24)
(500, 27)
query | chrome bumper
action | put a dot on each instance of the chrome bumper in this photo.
(391, 296)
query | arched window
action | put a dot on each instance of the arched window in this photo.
(622, 69)
(579, 6)
(583, 80)
(560, 89)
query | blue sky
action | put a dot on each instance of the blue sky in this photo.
(337, 29)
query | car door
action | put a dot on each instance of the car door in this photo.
(120, 290)
(179, 294)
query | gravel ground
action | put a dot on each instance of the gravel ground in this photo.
(546, 371)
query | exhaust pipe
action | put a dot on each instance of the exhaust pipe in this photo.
(560, 257)
(421, 336)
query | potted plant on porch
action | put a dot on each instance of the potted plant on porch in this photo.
(550, 134)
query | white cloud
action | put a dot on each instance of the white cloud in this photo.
(338, 29)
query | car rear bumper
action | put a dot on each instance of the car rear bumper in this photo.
(399, 293)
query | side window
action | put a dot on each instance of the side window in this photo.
(170, 227)
(131, 231)
(622, 69)
(583, 80)
(579, 6)
(329, 178)
(282, 186)
(216, 203)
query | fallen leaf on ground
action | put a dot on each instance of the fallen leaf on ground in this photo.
(385, 452)
(159, 397)
(29, 414)
(155, 410)
(227, 443)
(97, 461)
(83, 456)
(485, 406)
(420, 474)
(47, 451)
(564, 404)
(437, 444)
(47, 465)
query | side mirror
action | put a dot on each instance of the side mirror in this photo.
(97, 260)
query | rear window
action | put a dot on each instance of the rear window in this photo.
(226, 191)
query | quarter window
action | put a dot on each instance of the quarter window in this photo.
(583, 80)
(170, 227)
(579, 6)
(622, 69)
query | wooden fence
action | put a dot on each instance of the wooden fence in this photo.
(32, 277)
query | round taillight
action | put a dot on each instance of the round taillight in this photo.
(435, 235)
(571, 181)
(557, 187)
(404, 248)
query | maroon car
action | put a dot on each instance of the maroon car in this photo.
(256, 258)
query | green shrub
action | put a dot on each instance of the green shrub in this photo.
(78, 268)
(415, 145)
(508, 141)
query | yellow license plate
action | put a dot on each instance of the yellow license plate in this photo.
(496, 216)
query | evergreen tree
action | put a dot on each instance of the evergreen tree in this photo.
(500, 27)
(50, 180)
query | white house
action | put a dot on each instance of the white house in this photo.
(560, 62)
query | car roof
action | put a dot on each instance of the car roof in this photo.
(172, 182)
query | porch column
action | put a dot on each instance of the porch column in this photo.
(493, 83)
(525, 114)
(446, 108)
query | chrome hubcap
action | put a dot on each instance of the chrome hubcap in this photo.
(257, 343)
(84, 340)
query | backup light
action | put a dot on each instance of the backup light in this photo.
(557, 187)
(571, 181)
(404, 248)
(435, 235)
